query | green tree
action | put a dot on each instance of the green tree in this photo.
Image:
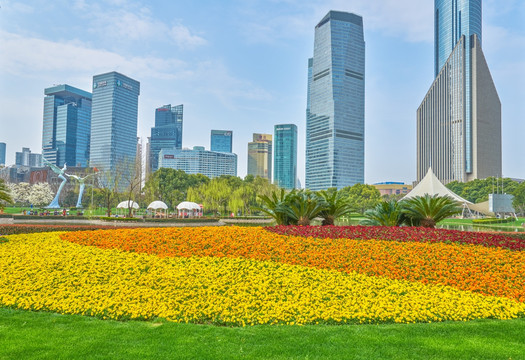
(214, 195)
(5, 195)
(478, 190)
(335, 205)
(362, 197)
(386, 213)
(274, 206)
(171, 186)
(519, 198)
(428, 210)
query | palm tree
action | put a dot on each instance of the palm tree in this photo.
(428, 210)
(302, 207)
(274, 206)
(5, 197)
(386, 213)
(335, 205)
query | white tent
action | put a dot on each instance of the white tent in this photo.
(187, 208)
(158, 205)
(431, 185)
(127, 204)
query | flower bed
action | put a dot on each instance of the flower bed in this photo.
(29, 229)
(418, 234)
(489, 271)
(235, 276)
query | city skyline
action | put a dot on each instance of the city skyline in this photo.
(244, 66)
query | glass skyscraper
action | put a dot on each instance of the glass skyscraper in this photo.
(114, 121)
(2, 153)
(452, 20)
(335, 114)
(260, 156)
(167, 133)
(221, 140)
(459, 120)
(285, 156)
(67, 126)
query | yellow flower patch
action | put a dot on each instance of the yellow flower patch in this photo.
(41, 271)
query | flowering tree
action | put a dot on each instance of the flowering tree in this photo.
(40, 194)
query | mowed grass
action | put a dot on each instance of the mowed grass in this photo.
(42, 335)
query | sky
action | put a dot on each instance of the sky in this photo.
(241, 65)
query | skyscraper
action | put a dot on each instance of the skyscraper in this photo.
(260, 156)
(114, 121)
(221, 140)
(67, 126)
(285, 156)
(167, 133)
(335, 114)
(2, 153)
(459, 120)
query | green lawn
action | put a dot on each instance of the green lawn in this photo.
(40, 335)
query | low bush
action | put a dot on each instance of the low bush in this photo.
(493, 221)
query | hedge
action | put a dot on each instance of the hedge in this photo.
(493, 221)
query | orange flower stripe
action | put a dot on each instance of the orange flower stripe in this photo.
(488, 271)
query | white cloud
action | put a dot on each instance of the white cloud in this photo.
(184, 38)
(33, 57)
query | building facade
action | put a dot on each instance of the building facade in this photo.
(167, 133)
(27, 158)
(459, 120)
(199, 161)
(260, 156)
(2, 153)
(66, 127)
(392, 188)
(221, 140)
(285, 156)
(114, 121)
(335, 114)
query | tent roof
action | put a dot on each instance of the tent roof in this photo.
(431, 185)
(157, 205)
(187, 205)
(127, 204)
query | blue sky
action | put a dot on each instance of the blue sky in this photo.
(241, 65)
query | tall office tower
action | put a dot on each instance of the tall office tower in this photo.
(67, 126)
(148, 158)
(260, 156)
(459, 120)
(167, 133)
(221, 140)
(285, 156)
(335, 114)
(114, 121)
(2, 153)
(199, 161)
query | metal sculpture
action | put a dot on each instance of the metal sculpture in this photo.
(81, 181)
(61, 172)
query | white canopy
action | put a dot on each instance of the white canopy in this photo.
(158, 205)
(431, 185)
(187, 205)
(127, 204)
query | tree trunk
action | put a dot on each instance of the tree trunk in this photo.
(329, 220)
(428, 223)
(304, 221)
